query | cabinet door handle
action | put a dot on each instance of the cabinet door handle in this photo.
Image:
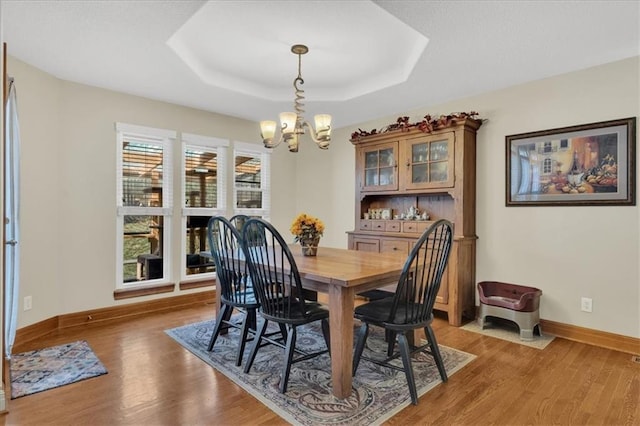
(408, 163)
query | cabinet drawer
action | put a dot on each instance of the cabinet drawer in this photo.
(377, 225)
(392, 226)
(365, 225)
(366, 244)
(394, 246)
(417, 227)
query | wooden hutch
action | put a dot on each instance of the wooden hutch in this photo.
(429, 171)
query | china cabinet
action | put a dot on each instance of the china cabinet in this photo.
(410, 171)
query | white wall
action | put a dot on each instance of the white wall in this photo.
(68, 205)
(69, 186)
(568, 252)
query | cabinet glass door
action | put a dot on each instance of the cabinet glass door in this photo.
(430, 162)
(380, 171)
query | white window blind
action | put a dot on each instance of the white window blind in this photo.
(144, 200)
(204, 194)
(252, 180)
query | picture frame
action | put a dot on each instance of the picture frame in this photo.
(585, 165)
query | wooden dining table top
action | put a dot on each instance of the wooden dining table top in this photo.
(347, 268)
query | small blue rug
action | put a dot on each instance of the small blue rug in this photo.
(44, 369)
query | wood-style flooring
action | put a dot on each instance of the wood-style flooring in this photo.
(152, 380)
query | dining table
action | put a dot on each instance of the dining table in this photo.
(341, 274)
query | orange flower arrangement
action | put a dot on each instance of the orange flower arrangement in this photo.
(306, 227)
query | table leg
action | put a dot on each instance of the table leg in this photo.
(341, 305)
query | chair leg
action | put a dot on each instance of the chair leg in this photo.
(253, 319)
(283, 331)
(363, 333)
(244, 332)
(405, 351)
(391, 341)
(435, 351)
(288, 355)
(326, 334)
(256, 345)
(218, 327)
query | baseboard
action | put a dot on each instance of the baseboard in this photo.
(36, 330)
(603, 339)
(599, 338)
(112, 313)
(4, 398)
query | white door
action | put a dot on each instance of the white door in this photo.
(12, 234)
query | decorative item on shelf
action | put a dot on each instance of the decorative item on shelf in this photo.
(292, 124)
(307, 230)
(412, 213)
(376, 213)
(427, 125)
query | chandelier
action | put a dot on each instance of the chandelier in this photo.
(293, 124)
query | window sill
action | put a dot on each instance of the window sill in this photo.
(187, 285)
(142, 291)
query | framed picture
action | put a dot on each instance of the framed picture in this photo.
(586, 165)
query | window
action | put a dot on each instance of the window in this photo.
(144, 202)
(203, 195)
(251, 187)
(146, 252)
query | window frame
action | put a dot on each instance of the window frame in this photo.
(255, 150)
(221, 148)
(153, 136)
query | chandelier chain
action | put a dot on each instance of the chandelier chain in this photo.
(299, 93)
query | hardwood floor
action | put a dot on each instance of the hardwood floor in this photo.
(152, 380)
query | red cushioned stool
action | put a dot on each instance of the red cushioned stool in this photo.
(512, 302)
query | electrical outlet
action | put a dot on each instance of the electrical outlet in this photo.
(587, 305)
(27, 303)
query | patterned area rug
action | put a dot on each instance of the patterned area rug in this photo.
(506, 330)
(44, 369)
(378, 393)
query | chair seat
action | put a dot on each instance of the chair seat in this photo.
(314, 311)
(377, 312)
(248, 299)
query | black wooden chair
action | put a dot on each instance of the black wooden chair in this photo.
(239, 220)
(276, 282)
(236, 292)
(411, 307)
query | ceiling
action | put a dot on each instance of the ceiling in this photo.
(366, 59)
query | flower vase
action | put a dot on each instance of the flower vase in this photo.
(310, 246)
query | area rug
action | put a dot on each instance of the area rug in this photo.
(509, 331)
(44, 369)
(378, 393)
